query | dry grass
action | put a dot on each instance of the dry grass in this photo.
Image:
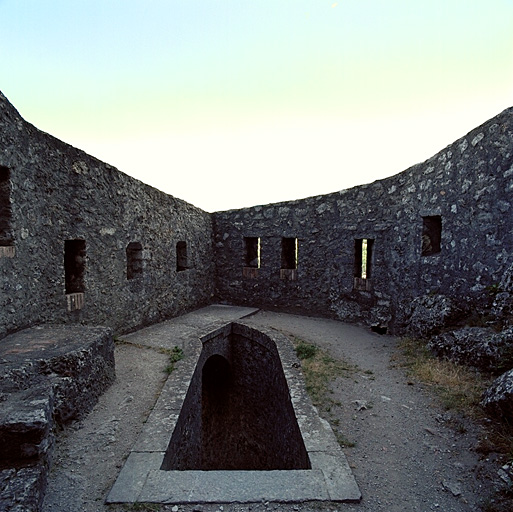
(458, 387)
(319, 369)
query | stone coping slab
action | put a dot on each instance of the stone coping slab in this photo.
(48, 342)
(177, 331)
(142, 481)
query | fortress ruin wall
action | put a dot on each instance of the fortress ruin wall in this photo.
(81, 242)
(444, 226)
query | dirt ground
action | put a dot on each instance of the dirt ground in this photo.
(408, 454)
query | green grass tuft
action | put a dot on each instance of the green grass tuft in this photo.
(175, 355)
(319, 369)
(305, 350)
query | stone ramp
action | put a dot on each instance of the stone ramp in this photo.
(142, 481)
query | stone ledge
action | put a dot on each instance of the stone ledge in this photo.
(49, 376)
(26, 422)
(23, 489)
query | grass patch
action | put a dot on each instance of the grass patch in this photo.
(305, 350)
(343, 441)
(319, 369)
(175, 355)
(458, 387)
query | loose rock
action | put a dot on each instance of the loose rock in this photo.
(429, 314)
(479, 347)
(498, 398)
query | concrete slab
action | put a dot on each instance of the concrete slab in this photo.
(131, 480)
(317, 433)
(155, 434)
(142, 480)
(214, 313)
(165, 335)
(174, 332)
(234, 486)
(338, 478)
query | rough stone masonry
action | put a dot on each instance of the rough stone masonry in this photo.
(442, 227)
(83, 243)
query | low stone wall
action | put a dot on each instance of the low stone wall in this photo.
(238, 413)
(48, 376)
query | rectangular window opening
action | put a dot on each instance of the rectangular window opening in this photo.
(289, 253)
(431, 234)
(74, 265)
(363, 263)
(252, 255)
(181, 256)
(134, 260)
(363, 258)
(289, 249)
(6, 235)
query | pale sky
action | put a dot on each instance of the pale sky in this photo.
(233, 103)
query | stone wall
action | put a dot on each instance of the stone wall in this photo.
(441, 227)
(49, 376)
(81, 242)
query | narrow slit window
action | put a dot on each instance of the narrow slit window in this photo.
(134, 260)
(252, 256)
(431, 234)
(289, 253)
(6, 235)
(181, 256)
(74, 265)
(363, 258)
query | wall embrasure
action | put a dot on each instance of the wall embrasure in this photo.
(440, 227)
(86, 243)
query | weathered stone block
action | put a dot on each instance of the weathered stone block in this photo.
(498, 398)
(26, 421)
(22, 490)
(47, 374)
(77, 362)
(478, 347)
(429, 314)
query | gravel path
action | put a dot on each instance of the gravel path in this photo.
(408, 454)
(90, 453)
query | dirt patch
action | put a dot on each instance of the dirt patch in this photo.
(407, 454)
